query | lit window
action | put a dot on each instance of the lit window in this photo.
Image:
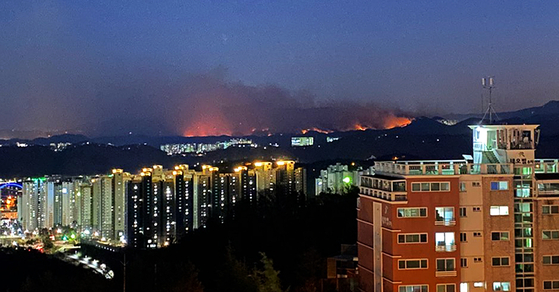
(444, 215)
(462, 186)
(463, 287)
(501, 286)
(478, 284)
(499, 210)
(499, 185)
(445, 241)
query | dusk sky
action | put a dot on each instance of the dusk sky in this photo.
(91, 65)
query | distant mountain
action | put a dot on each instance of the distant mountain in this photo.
(549, 109)
(79, 160)
(65, 138)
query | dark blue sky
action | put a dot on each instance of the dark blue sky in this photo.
(66, 64)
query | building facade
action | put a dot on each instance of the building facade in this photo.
(489, 222)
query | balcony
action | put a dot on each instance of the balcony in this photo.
(445, 274)
(447, 167)
(385, 195)
(445, 248)
(546, 165)
(446, 222)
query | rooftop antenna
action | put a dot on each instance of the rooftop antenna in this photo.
(489, 83)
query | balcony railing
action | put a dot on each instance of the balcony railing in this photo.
(446, 222)
(446, 248)
(448, 167)
(445, 274)
(381, 194)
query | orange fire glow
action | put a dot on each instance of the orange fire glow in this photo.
(304, 131)
(360, 127)
(393, 122)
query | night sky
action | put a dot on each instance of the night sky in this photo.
(233, 67)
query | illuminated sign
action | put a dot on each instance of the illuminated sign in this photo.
(302, 141)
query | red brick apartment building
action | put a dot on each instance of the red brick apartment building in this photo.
(488, 222)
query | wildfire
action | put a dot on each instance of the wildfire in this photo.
(393, 122)
(314, 129)
(360, 127)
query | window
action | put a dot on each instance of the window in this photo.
(464, 262)
(551, 234)
(412, 212)
(476, 184)
(446, 287)
(444, 216)
(445, 241)
(478, 284)
(499, 210)
(477, 234)
(463, 287)
(412, 238)
(549, 209)
(463, 237)
(551, 260)
(430, 187)
(500, 261)
(477, 260)
(462, 186)
(463, 212)
(445, 265)
(550, 285)
(413, 288)
(499, 185)
(476, 209)
(504, 235)
(501, 286)
(412, 264)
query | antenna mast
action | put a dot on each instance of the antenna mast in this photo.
(489, 83)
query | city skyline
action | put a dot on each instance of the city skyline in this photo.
(241, 66)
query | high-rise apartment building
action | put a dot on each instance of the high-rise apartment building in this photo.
(336, 179)
(30, 206)
(119, 181)
(489, 222)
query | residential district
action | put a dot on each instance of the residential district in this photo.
(486, 222)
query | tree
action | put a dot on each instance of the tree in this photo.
(267, 278)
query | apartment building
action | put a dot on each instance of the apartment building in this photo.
(487, 222)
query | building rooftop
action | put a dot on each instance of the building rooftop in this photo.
(456, 167)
